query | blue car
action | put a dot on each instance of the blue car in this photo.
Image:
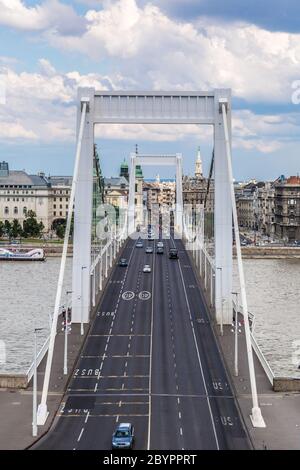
(123, 436)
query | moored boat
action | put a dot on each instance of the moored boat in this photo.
(36, 254)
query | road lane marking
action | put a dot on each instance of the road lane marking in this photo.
(87, 417)
(81, 432)
(198, 355)
(151, 345)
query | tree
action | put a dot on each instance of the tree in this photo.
(31, 227)
(60, 228)
(7, 228)
(2, 229)
(16, 229)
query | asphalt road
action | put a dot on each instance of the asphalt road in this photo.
(151, 359)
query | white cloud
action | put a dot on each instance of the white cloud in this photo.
(159, 52)
(51, 14)
(15, 130)
(148, 50)
(42, 106)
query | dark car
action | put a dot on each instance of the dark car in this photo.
(123, 262)
(173, 253)
(123, 436)
(160, 250)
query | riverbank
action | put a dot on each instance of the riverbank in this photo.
(271, 252)
(54, 249)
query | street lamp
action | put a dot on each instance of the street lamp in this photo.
(236, 368)
(66, 335)
(221, 288)
(34, 397)
(81, 319)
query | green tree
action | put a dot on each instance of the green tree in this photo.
(61, 228)
(16, 229)
(7, 228)
(31, 227)
(2, 229)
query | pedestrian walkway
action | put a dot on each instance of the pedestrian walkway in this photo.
(16, 404)
(281, 411)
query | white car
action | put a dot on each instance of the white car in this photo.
(160, 245)
(147, 268)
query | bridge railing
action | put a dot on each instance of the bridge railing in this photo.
(40, 356)
(104, 260)
(259, 354)
(204, 262)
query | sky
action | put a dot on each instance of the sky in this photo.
(49, 48)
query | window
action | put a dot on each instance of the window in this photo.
(60, 199)
(54, 213)
(60, 206)
(15, 210)
(6, 210)
(54, 206)
(24, 210)
(60, 213)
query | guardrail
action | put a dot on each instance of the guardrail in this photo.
(265, 365)
(40, 356)
(259, 354)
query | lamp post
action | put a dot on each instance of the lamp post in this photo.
(221, 288)
(236, 326)
(81, 319)
(66, 335)
(34, 397)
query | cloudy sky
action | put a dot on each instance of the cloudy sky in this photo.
(50, 47)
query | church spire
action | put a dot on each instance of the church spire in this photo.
(198, 166)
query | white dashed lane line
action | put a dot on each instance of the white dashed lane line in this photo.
(81, 432)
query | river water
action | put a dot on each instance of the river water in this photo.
(27, 299)
(273, 293)
(28, 295)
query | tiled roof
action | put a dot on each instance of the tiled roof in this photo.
(21, 178)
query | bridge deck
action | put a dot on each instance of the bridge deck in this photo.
(151, 359)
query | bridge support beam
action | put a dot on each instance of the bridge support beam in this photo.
(81, 284)
(222, 218)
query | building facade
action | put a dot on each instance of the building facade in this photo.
(47, 196)
(198, 190)
(160, 192)
(116, 190)
(20, 192)
(287, 208)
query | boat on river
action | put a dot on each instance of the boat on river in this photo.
(37, 254)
